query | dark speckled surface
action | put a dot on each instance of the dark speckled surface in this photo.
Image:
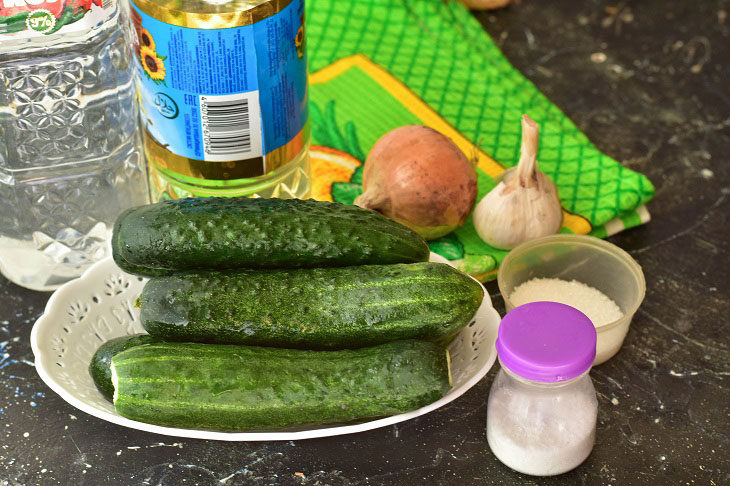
(648, 82)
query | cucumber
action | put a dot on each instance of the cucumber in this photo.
(224, 233)
(66, 15)
(135, 269)
(239, 388)
(99, 368)
(18, 18)
(316, 308)
(14, 23)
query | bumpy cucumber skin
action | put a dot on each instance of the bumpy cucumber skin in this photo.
(243, 388)
(131, 267)
(318, 308)
(222, 233)
(99, 368)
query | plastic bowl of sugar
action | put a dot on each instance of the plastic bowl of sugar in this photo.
(594, 276)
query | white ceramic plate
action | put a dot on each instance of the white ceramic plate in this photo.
(99, 306)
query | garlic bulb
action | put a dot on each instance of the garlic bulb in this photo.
(524, 205)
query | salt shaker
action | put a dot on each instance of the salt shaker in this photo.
(541, 416)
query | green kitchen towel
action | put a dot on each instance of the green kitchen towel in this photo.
(379, 64)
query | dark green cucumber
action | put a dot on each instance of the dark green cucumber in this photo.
(224, 233)
(314, 308)
(133, 268)
(18, 17)
(238, 388)
(14, 23)
(99, 368)
(66, 15)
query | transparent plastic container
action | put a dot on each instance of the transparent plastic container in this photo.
(542, 408)
(589, 260)
(70, 151)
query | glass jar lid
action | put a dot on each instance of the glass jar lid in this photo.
(546, 342)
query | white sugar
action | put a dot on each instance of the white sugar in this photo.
(590, 301)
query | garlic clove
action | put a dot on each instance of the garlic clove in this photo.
(524, 204)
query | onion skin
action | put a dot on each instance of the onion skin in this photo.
(485, 4)
(418, 177)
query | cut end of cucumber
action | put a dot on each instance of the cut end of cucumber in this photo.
(448, 368)
(115, 380)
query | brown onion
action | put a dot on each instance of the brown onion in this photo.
(418, 177)
(485, 4)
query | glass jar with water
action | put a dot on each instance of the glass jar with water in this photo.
(70, 153)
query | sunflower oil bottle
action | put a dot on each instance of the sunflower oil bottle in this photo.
(70, 150)
(223, 96)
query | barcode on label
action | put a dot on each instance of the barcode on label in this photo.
(106, 4)
(231, 126)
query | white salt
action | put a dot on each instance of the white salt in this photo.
(541, 429)
(599, 308)
(552, 439)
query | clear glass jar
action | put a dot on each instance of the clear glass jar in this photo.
(539, 428)
(542, 409)
(70, 150)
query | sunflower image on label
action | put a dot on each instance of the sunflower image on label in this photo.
(223, 94)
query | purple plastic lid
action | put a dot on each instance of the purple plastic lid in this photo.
(546, 341)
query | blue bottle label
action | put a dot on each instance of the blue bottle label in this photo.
(224, 94)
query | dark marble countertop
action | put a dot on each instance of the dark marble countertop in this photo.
(648, 83)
